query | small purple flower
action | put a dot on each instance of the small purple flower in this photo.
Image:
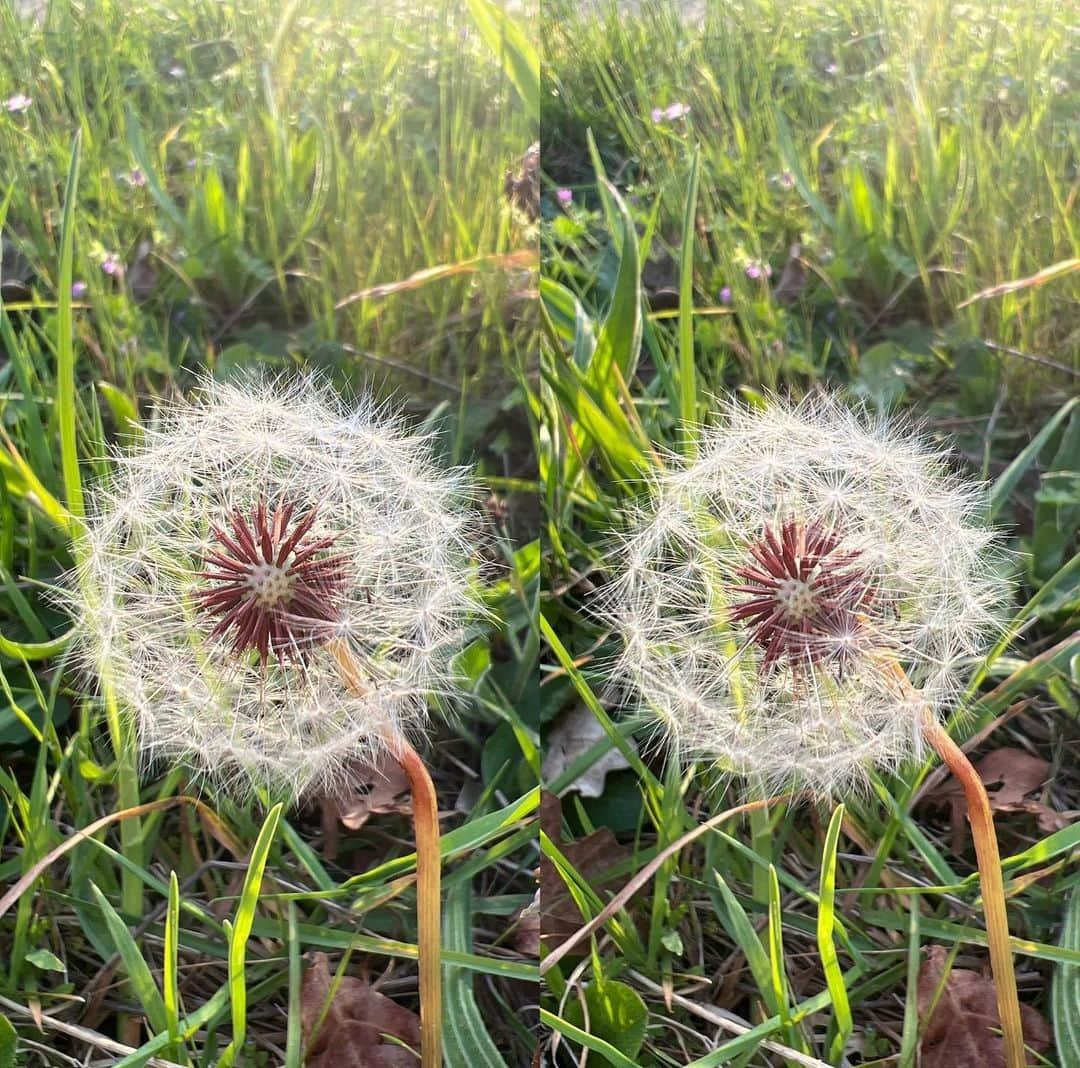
(832, 68)
(753, 272)
(137, 178)
(725, 295)
(78, 289)
(18, 103)
(787, 180)
(112, 265)
(677, 111)
(565, 197)
(657, 114)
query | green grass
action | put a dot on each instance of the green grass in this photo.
(914, 175)
(293, 157)
(297, 156)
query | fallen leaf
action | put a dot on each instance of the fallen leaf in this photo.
(526, 929)
(576, 732)
(962, 1030)
(1009, 775)
(371, 789)
(592, 857)
(358, 1017)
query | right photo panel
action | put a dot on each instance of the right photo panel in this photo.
(808, 422)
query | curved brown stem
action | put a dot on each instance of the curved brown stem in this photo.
(428, 901)
(993, 886)
(996, 915)
(428, 868)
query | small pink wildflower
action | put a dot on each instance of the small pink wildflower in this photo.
(112, 265)
(565, 197)
(18, 103)
(78, 289)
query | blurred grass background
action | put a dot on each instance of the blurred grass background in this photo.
(211, 187)
(754, 196)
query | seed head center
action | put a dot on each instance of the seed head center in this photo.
(806, 596)
(796, 598)
(271, 584)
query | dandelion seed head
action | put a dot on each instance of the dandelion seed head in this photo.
(252, 529)
(766, 588)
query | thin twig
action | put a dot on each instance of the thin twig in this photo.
(729, 1022)
(643, 876)
(1044, 361)
(83, 1034)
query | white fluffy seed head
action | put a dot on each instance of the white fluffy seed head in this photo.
(404, 525)
(933, 573)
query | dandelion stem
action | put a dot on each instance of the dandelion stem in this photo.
(428, 900)
(428, 869)
(993, 887)
(981, 817)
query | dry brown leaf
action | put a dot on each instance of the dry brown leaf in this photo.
(1009, 775)
(356, 1021)
(593, 857)
(963, 1029)
(575, 733)
(371, 789)
(525, 937)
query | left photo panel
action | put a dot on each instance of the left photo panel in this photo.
(269, 534)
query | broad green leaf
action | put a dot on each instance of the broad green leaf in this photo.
(1065, 991)
(617, 1015)
(46, 960)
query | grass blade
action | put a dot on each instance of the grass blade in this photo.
(65, 350)
(834, 977)
(138, 971)
(688, 391)
(466, 1039)
(1065, 993)
(239, 932)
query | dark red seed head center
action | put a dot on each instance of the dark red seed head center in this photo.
(806, 596)
(272, 585)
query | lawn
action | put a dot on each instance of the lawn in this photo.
(738, 205)
(213, 189)
(879, 201)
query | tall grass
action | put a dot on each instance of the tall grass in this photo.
(919, 154)
(243, 170)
